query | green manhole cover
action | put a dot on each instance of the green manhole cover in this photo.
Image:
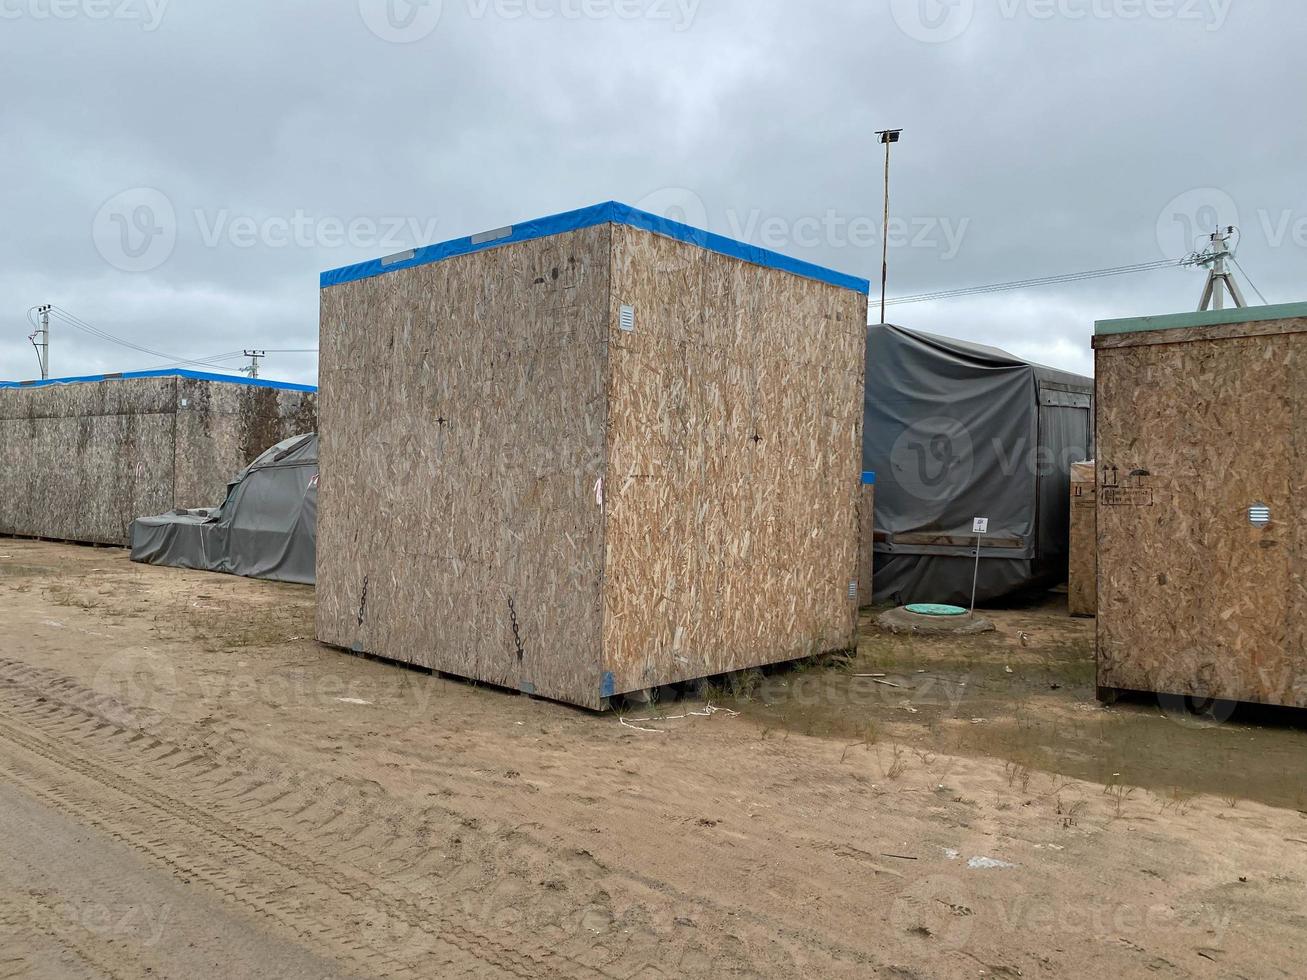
(933, 609)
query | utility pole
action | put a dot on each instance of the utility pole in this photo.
(1219, 278)
(253, 369)
(888, 137)
(43, 348)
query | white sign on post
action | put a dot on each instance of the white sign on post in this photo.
(979, 526)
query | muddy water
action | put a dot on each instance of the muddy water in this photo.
(1026, 695)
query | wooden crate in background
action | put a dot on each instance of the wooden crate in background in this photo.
(867, 540)
(1202, 505)
(1082, 584)
(84, 457)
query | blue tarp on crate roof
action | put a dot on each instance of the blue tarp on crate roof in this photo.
(609, 212)
(170, 373)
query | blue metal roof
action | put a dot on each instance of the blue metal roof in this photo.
(609, 212)
(170, 373)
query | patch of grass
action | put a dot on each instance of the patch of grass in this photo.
(1018, 775)
(897, 764)
(1069, 812)
(1117, 794)
(1179, 800)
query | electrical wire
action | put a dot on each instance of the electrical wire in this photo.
(1250, 281)
(1043, 281)
(169, 360)
(212, 361)
(80, 324)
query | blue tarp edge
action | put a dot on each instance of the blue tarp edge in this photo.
(613, 212)
(174, 373)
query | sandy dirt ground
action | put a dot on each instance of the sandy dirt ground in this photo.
(191, 787)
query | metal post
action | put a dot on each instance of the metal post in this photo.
(253, 369)
(1219, 278)
(975, 578)
(45, 343)
(884, 240)
(1218, 273)
(887, 136)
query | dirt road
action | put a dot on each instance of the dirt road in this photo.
(191, 787)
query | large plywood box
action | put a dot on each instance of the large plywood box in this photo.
(83, 458)
(1082, 583)
(590, 455)
(1202, 505)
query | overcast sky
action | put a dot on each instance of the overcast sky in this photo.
(178, 173)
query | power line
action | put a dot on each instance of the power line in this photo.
(80, 324)
(170, 360)
(1250, 281)
(1044, 281)
(211, 361)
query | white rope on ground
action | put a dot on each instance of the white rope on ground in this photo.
(637, 728)
(708, 712)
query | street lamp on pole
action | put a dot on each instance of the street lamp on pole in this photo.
(888, 137)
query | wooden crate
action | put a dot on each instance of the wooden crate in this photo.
(84, 458)
(1082, 583)
(1201, 418)
(590, 455)
(867, 540)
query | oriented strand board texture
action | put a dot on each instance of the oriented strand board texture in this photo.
(867, 545)
(223, 424)
(462, 444)
(515, 489)
(1082, 588)
(1194, 599)
(734, 464)
(82, 461)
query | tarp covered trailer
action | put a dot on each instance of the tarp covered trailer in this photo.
(266, 528)
(957, 431)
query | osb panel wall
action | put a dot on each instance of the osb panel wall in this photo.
(462, 436)
(867, 546)
(1082, 587)
(221, 427)
(734, 464)
(82, 461)
(1193, 599)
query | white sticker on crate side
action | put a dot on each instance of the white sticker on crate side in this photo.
(627, 319)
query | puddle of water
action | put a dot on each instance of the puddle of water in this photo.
(1031, 703)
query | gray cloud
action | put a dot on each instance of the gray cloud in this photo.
(1042, 137)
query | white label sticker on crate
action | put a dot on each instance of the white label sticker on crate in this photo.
(627, 319)
(1259, 515)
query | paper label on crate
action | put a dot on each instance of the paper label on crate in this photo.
(1126, 497)
(980, 525)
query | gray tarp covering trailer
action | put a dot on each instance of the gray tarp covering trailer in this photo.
(266, 528)
(955, 431)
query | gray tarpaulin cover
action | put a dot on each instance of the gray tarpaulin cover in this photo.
(955, 431)
(266, 528)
